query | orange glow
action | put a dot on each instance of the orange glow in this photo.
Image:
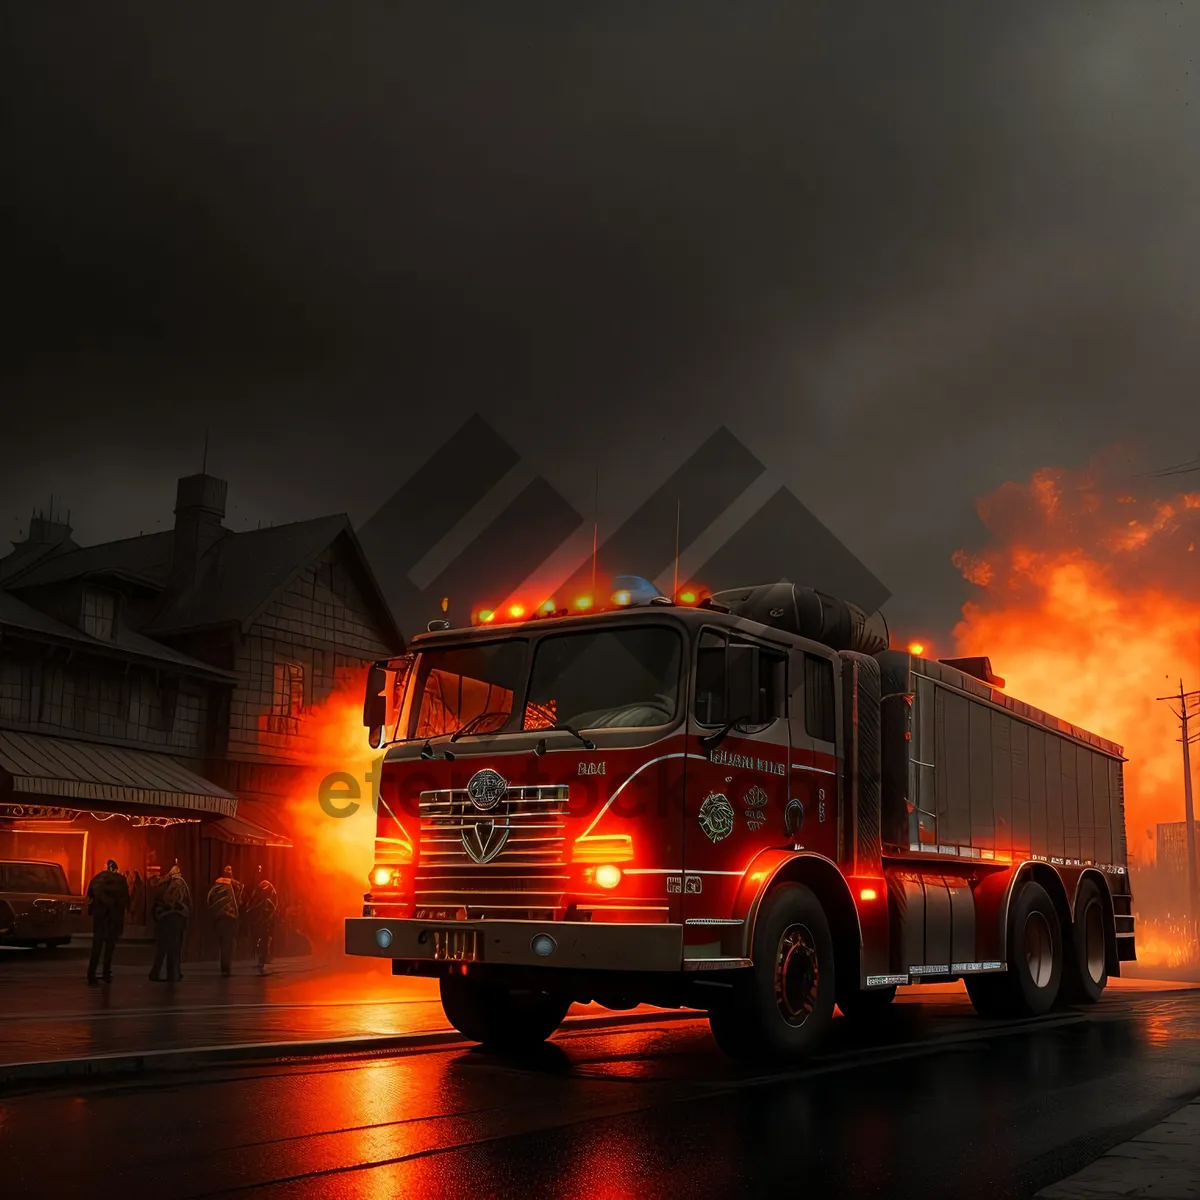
(687, 597)
(1089, 606)
(485, 615)
(548, 607)
(608, 876)
(516, 610)
(872, 894)
(917, 649)
(622, 597)
(332, 856)
(381, 876)
(583, 602)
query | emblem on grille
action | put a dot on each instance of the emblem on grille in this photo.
(716, 817)
(486, 789)
(485, 839)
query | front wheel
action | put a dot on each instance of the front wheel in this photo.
(500, 1017)
(783, 1005)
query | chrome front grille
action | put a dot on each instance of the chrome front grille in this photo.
(526, 878)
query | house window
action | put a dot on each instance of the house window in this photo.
(287, 699)
(99, 613)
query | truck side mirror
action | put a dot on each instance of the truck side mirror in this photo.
(742, 684)
(375, 703)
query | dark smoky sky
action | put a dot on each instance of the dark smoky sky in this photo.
(904, 251)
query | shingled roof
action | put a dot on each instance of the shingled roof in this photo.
(145, 560)
(244, 572)
(236, 574)
(16, 615)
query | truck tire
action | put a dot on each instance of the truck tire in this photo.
(864, 1004)
(1086, 972)
(782, 1006)
(500, 1017)
(1035, 961)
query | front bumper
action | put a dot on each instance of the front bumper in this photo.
(583, 945)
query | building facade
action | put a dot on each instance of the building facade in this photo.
(153, 690)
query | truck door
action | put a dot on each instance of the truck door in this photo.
(813, 809)
(736, 792)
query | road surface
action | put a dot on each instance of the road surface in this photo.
(932, 1102)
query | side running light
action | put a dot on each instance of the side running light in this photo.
(603, 848)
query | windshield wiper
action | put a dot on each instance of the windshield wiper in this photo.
(712, 740)
(474, 721)
(562, 727)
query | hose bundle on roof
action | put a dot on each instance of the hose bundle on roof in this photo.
(808, 613)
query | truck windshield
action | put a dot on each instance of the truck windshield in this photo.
(609, 679)
(467, 685)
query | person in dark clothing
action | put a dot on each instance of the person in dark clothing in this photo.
(108, 902)
(223, 912)
(172, 907)
(260, 911)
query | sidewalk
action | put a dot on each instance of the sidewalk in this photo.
(49, 1013)
(1163, 1162)
(48, 1010)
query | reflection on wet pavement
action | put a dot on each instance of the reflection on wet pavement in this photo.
(933, 1100)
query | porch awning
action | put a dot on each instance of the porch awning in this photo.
(54, 768)
(241, 832)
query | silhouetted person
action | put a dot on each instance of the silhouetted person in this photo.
(261, 908)
(172, 908)
(108, 902)
(223, 911)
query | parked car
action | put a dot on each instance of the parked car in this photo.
(37, 906)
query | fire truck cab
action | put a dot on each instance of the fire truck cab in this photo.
(750, 807)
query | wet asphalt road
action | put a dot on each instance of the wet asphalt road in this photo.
(934, 1102)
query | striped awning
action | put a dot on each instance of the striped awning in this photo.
(54, 768)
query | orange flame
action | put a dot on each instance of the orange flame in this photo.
(1090, 609)
(333, 855)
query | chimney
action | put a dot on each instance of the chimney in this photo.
(199, 507)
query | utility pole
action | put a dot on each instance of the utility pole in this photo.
(1189, 816)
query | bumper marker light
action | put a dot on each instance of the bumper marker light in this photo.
(543, 945)
(868, 894)
(383, 938)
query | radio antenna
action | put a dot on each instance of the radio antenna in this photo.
(675, 592)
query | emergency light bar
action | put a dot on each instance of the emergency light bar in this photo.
(627, 591)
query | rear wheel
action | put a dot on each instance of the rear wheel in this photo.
(1087, 971)
(1035, 961)
(783, 1005)
(500, 1017)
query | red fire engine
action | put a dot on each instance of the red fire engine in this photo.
(749, 806)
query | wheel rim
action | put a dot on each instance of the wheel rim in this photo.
(797, 974)
(1039, 949)
(1093, 941)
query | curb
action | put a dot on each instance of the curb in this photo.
(103, 1066)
